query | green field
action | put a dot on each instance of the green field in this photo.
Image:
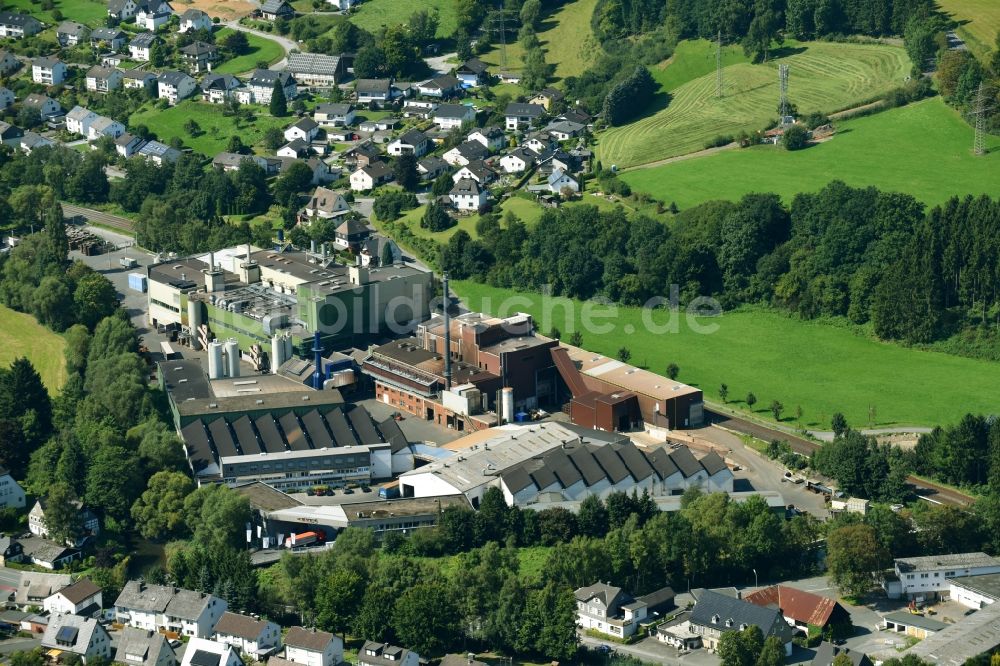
(261, 49)
(216, 128)
(90, 12)
(980, 22)
(566, 37)
(822, 367)
(878, 150)
(21, 335)
(373, 14)
(824, 77)
(694, 58)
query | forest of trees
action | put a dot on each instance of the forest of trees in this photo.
(873, 257)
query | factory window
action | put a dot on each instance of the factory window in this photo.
(164, 305)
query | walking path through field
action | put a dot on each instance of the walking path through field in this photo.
(680, 158)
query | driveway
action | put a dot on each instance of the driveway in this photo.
(440, 63)
(12, 645)
(653, 651)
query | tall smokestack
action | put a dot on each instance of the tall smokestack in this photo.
(447, 335)
(318, 360)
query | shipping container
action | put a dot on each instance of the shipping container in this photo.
(137, 282)
(389, 490)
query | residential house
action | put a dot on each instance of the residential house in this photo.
(33, 140)
(108, 38)
(575, 116)
(315, 69)
(492, 137)
(174, 86)
(362, 155)
(419, 107)
(33, 588)
(141, 47)
(48, 554)
(139, 647)
(233, 161)
(249, 635)
(128, 145)
(309, 647)
(11, 493)
(304, 128)
(80, 598)
(16, 26)
(466, 152)
(159, 153)
(78, 120)
(272, 10)
(151, 14)
(926, 577)
(563, 130)
(6, 98)
(199, 56)
(803, 609)
(547, 98)
(373, 90)
(89, 520)
(103, 79)
(333, 115)
(204, 652)
(370, 177)
(10, 550)
(8, 63)
(715, 614)
(519, 116)
(609, 610)
(193, 20)
(166, 608)
(440, 87)
(827, 652)
(324, 203)
(460, 660)
(72, 634)
(219, 88)
(10, 134)
(48, 70)
(45, 105)
(450, 116)
(121, 9)
(540, 142)
(556, 183)
(351, 235)
(518, 160)
(380, 251)
(383, 654)
(295, 149)
(478, 171)
(467, 195)
(473, 73)
(380, 124)
(71, 33)
(137, 79)
(431, 167)
(104, 126)
(261, 84)
(412, 142)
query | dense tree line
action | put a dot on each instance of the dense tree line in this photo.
(967, 453)
(864, 468)
(630, 97)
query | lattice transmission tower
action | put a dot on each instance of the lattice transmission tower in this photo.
(718, 66)
(783, 90)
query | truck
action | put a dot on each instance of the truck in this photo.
(304, 539)
(389, 490)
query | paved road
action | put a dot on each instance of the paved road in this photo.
(440, 63)
(13, 645)
(652, 650)
(99, 217)
(287, 44)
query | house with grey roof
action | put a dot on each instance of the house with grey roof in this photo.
(33, 587)
(204, 652)
(128, 145)
(431, 167)
(492, 137)
(250, 635)
(478, 171)
(334, 115)
(304, 128)
(827, 652)
(450, 116)
(174, 86)
(412, 142)
(383, 654)
(261, 84)
(317, 70)
(199, 56)
(121, 9)
(473, 73)
(139, 647)
(468, 151)
(72, 634)
(46, 106)
(373, 90)
(520, 116)
(137, 79)
(158, 153)
(103, 79)
(556, 183)
(272, 10)
(167, 608)
(518, 160)
(141, 46)
(36, 517)
(151, 14)
(104, 126)
(8, 63)
(564, 129)
(194, 19)
(48, 70)
(715, 614)
(71, 33)
(15, 25)
(608, 609)
(324, 203)
(310, 647)
(219, 88)
(32, 140)
(108, 38)
(440, 86)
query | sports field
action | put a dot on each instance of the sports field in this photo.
(216, 128)
(884, 150)
(822, 367)
(566, 37)
(824, 77)
(979, 22)
(261, 49)
(373, 14)
(89, 12)
(21, 335)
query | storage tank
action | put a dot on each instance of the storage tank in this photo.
(195, 321)
(215, 360)
(233, 357)
(507, 404)
(277, 352)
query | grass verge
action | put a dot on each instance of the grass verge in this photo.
(261, 50)
(21, 335)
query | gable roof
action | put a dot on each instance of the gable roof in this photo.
(466, 187)
(471, 150)
(608, 594)
(352, 227)
(199, 48)
(444, 82)
(456, 111)
(274, 6)
(45, 62)
(140, 643)
(521, 109)
(107, 34)
(724, 613)
(79, 591)
(334, 109)
(70, 633)
(368, 86)
(801, 606)
(220, 82)
(826, 652)
(313, 63)
(98, 72)
(412, 138)
(17, 19)
(193, 15)
(306, 639)
(549, 93)
(472, 66)
(173, 77)
(72, 28)
(243, 626)
(306, 124)
(264, 78)
(143, 40)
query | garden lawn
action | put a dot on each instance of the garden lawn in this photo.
(884, 150)
(261, 49)
(21, 335)
(89, 12)
(821, 366)
(216, 128)
(373, 14)
(824, 77)
(980, 22)
(566, 37)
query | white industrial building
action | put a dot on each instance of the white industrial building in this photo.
(928, 577)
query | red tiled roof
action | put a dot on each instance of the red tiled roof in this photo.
(799, 605)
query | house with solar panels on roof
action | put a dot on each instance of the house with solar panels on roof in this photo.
(203, 652)
(74, 635)
(315, 70)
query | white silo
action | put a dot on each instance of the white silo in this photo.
(507, 404)
(233, 357)
(215, 360)
(277, 352)
(194, 322)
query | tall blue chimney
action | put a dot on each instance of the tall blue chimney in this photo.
(318, 361)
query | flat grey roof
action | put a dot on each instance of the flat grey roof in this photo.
(912, 620)
(952, 561)
(974, 635)
(985, 584)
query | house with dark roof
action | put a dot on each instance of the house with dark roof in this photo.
(249, 635)
(138, 647)
(473, 73)
(8, 63)
(324, 203)
(272, 10)
(10, 550)
(48, 70)
(108, 38)
(371, 176)
(89, 520)
(151, 14)
(310, 647)
(466, 152)
(609, 610)
(261, 84)
(141, 45)
(199, 56)
(315, 69)
(440, 87)
(518, 160)
(72, 634)
(80, 598)
(450, 116)
(121, 9)
(383, 654)
(16, 26)
(373, 90)
(166, 608)
(128, 145)
(304, 128)
(546, 97)
(204, 652)
(103, 79)
(137, 79)
(492, 137)
(71, 33)
(174, 86)
(218, 88)
(715, 614)
(431, 167)
(194, 19)
(519, 116)
(802, 609)
(412, 142)
(468, 195)
(334, 115)
(827, 652)
(351, 234)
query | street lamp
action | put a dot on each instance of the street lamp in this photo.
(755, 579)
